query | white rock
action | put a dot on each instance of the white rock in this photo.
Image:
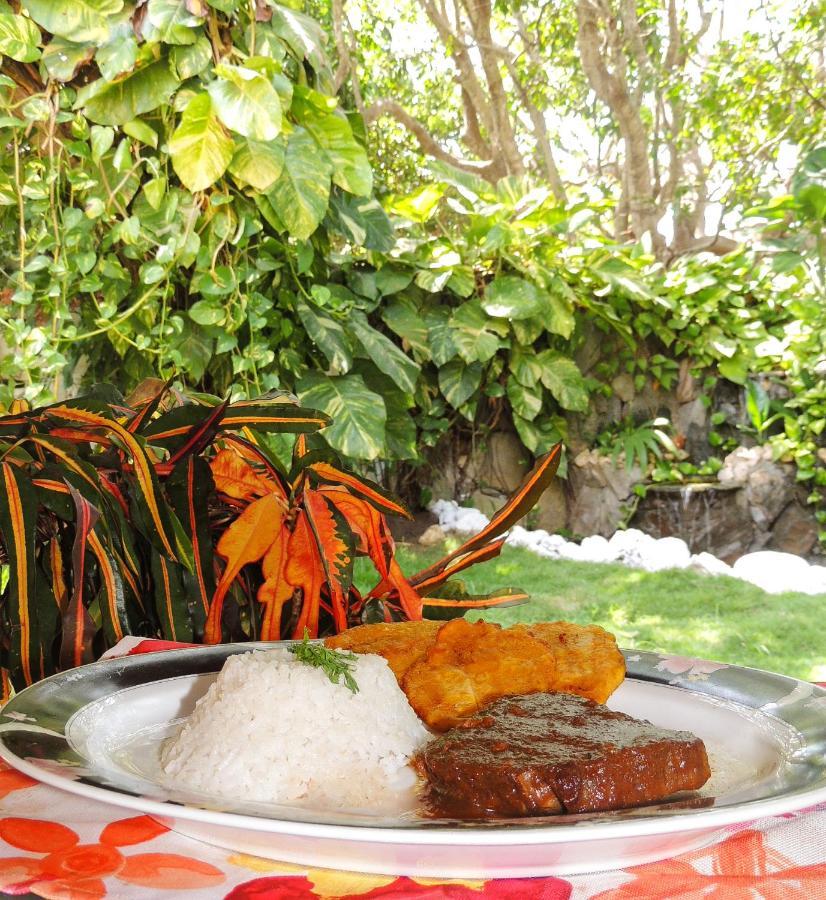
(665, 553)
(571, 551)
(596, 549)
(773, 571)
(453, 517)
(767, 569)
(708, 563)
(814, 581)
(630, 546)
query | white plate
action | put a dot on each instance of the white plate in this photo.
(96, 732)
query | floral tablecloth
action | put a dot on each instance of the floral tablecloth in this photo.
(55, 845)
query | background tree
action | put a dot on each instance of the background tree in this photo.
(678, 111)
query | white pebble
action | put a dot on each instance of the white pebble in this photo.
(773, 571)
(708, 563)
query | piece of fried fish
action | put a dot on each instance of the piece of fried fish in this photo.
(449, 670)
(400, 643)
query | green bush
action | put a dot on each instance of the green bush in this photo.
(171, 174)
(180, 195)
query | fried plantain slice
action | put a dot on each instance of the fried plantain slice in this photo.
(400, 643)
(472, 663)
(588, 661)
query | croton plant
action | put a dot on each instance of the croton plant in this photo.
(172, 517)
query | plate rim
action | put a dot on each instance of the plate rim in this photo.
(472, 834)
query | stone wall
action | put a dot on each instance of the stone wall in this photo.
(755, 505)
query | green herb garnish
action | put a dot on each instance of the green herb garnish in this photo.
(336, 663)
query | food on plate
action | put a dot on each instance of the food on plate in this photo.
(400, 643)
(450, 669)
(588, 661)
(471, 664)
(548, 753)
(315, 722)
(272, 728)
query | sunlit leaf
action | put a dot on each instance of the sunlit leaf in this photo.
(301, 193)
(75, 20)
(358, 415)
(200, 148)
(246, 102)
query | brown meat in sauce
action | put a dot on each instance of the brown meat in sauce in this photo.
(548, 753)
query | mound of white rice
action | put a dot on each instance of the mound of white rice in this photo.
(274, 729)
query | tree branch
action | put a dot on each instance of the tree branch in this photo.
(491, 170)
(479, 13)
(468, 79)
(612, 89)
(344, 61)
(540, 130)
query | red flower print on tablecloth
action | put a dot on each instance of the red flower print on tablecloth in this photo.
(299, 888)
(12, 780)
(282, 887)
(742, 868)
(74, 871)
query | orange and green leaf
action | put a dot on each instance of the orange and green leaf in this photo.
(245, 541)
(67, 457)
(500, 598)
(276, 417)
(171, 599)
(144, 473)
(368, 524)
(197, 488)
(335, 545)
(200, 435)
(148, 407)
(482, 554)
(276, 590)
(114, 608)
(78, 628)
(305, 571)
(18, 518)
(236, 478)
(361, 487)
(517, 505)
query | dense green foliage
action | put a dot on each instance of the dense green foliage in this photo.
(182, 195)
(168, 172)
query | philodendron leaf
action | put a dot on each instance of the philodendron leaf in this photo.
(300, 195)
(328, 335)
(200, 148)
(257, 163)
(557, 315)
(118, 55)
(362, 221)
(561, 376)
(246, 102)
(525, 402)
(113, 103)
(351, 168)
(386, 356)
(75, 20)
(358, 414)
(458, 381)
(62, 58)
(510, 297)
(172, 22)
(475, 333)
(19, 37)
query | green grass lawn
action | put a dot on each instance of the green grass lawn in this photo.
(676, 611)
